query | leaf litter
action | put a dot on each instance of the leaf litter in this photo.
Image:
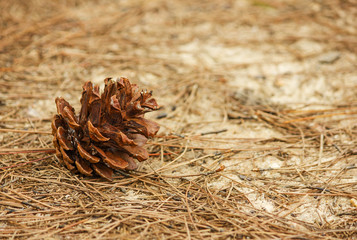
(258, 118)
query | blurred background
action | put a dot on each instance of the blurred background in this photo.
(291, 51)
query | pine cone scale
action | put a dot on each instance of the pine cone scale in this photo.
(71, 120)
(138, 152)
(103, 171)
(150, 128)
(86, 155)
(65, 156)
(62, 139)
(139, 139)
(61, 104)
(83, 114)
(94, 116)
(95, 135)
(84, 167)
(115, 161)
(132, 164)
(110, 131)
(68, 165)
(116, 135)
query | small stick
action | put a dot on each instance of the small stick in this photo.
(7, 151)
(321, 148)
(318, 116)
(214, 132)
(23, 131)
(24, 163)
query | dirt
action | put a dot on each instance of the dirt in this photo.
(264, 89)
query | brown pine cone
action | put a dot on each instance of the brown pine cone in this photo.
(109, 132)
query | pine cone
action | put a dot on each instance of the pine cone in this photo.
(109, 132)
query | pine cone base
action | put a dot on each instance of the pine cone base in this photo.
(110, 131)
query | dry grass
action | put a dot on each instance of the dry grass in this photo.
(264, 89)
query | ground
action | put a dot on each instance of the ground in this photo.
(258, 118)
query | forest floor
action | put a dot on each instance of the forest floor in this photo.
(258, 118)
